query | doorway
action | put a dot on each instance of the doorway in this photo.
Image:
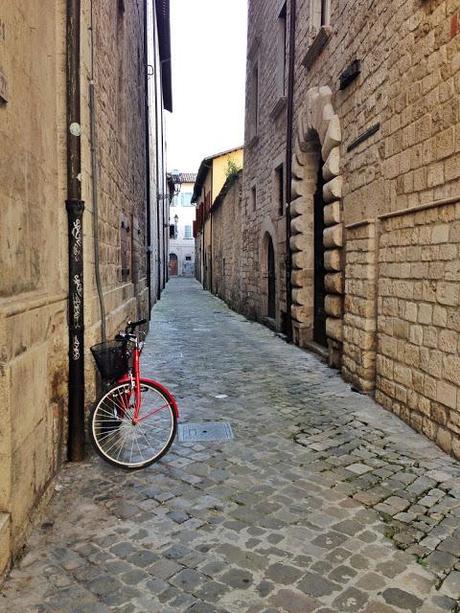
(172, 265)
(271, 280)
(319, 312)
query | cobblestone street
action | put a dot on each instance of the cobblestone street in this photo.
(323, 501)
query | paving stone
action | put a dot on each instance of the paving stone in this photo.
(283, 574)
(350, 600)
(237, 578)
(402, 599)
(284, 517)
(316, 585)
(293, 602)
(451, 585)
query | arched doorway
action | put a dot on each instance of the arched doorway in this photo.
(319, 312)
(271, 279)
(316, 216)
(172, 265)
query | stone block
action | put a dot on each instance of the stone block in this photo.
(5, 545)
(302, 296)
(333, 236)
(333, 305)
(333, 260)
(332, 213)
(297, 242)
(446, 394)
(302, 259)
(302, 314)
(333, 283)
(333, 190)
(299, 278)
(331, 167)
(298, 224)
(334, 328)
(300, 205)
(332, 138)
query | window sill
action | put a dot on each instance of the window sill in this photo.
(317, 45)
(278, 108)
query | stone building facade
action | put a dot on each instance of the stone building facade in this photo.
(211, 177)
(181, 219)
(352, 160)
(34, 364)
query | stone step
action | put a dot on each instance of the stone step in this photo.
(5, 552)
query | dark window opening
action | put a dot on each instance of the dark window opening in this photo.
(255, 111)
(279, 187)
(254, 197)
(282, 49)
(324, 11)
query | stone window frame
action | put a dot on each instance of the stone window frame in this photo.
(253, 197)
(254, 92)
(278, 162)
(319, 30)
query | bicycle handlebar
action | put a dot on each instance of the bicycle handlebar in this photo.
(132, 325)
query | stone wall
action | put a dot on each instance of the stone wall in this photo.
(395, 130)
(33, 240)
(264, 152)
(418, 322)
(359, 338)
(226, 246)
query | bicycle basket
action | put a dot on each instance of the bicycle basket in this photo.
(111, 359)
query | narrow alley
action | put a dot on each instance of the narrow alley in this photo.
(323, 501)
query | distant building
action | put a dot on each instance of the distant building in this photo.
(181, 220)
(212, 175)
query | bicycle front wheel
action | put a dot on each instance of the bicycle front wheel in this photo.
(121, 442)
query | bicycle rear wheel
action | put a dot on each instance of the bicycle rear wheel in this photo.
(132, 446)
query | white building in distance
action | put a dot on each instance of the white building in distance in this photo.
(181, 241)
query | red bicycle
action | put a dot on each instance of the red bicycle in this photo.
(135, 421)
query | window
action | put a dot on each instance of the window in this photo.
(254, 197)
(281, 51)
(187, 232)
(255, 102)
(172, 231)
(126, 244)
(188, 258)
(320, 12)
(186, 198)
(279, 188)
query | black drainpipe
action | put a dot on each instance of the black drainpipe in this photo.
(147, 159)
(290, 115)
(157, 153)
(210, 230)
(75, 207)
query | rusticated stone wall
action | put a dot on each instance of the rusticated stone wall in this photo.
(396, 146)
(359, 335)
(418, 324)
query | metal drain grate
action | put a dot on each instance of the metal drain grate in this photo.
(207, 431)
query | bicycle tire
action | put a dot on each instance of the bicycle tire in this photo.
(99, 419)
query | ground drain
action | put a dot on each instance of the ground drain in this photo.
(206, 431)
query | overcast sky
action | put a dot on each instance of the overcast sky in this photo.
(208, 75)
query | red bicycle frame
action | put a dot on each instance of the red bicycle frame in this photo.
(135, 377)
